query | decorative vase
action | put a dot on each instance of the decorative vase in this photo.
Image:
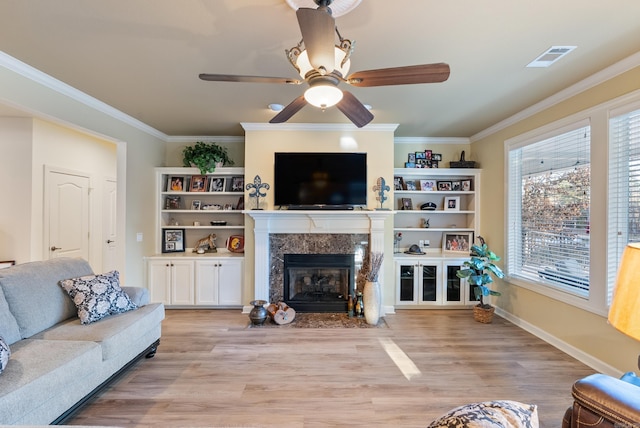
(483, 315)
(258, 314)
(371, 296)
(359, 307)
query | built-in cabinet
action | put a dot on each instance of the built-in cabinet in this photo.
(430, 281)
(197, 205)
(204, 281)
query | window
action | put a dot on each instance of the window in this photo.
(549, 184)
(624, 188)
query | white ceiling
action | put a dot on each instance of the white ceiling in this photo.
(143, 57)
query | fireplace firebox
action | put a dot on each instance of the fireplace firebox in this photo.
(318, 282)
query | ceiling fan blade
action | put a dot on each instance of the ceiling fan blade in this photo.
(286, 113)
(354, 109)
(425, 73)
(318, 33)
(250, 79)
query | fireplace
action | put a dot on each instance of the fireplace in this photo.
(318, 282)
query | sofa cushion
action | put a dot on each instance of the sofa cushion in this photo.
(97, 296)
(8, 325)
(490, 414)
(35, 285)
(40, 376)
(138, 295)
(114, 333)
(5, 353)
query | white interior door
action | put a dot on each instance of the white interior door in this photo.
(66, 214)
(109, 230)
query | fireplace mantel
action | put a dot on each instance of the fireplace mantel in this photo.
(267, 222)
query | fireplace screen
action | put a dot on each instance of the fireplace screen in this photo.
(318, 282)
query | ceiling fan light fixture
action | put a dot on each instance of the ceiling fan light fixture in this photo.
(323, 96)
(303, 65)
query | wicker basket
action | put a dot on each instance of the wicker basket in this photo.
(483, 315)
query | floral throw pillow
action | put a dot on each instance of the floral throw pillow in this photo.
(5, 353)
(490, 414)
(97, 296)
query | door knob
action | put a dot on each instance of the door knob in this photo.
(53, 248)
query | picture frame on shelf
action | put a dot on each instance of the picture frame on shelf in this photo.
(456, 185)
(457, 243)
(240, 204)
(407, 204)
(173, 241)
(420, 155)
(409, 164)
(411, 158)
(465, 185)
(410, 184)
(198, 183)
(237, 184)
(173, 203)
(196, 204)
(436, 157)
(398, 183)
(428, 154)
(427, 185)
(217, 184)
(452, 203)
(434, 163)
(444, 186)
(176, 183)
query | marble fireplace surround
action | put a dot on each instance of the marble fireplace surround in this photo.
(321, 231)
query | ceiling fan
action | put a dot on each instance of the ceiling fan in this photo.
(323, 64)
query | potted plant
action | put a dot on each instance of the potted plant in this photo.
(205, 156)
(479, 270)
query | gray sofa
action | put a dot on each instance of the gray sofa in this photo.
(56, 362)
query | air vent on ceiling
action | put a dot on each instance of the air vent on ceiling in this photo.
(551, 55)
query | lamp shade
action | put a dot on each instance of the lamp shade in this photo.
(624, 313)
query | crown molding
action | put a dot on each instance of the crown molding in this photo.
(248, 126)
(596, 79)
(431, 140)
(205, 138)
(43, 79)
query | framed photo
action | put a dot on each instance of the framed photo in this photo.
(409, 164)
(421, 155)
(434, 163)
(172, 203)
(217, 184)
(195, 205)
(173, 241)
(456, 185)
(428, 154)
(240, 204)
(457, 242)
(411, 184)
(452, 203)
(444, 186)
(198, 183)
(465, 185)
(436, 156)
(237, 184)
(411, 158)
(176, 183)
(428, 185)
(407, 204)
(398, 183)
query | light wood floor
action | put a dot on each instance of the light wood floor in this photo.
(212, 371)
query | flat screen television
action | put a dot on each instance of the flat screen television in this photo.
(320, 180)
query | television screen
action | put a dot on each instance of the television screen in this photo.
(320, 179)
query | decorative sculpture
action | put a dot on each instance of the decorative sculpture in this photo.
(257, 192)
(206, 244)
(381, 187)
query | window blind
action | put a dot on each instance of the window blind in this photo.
(624, 189)
(548, 210)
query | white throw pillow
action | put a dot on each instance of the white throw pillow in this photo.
(5, 353)
(97, 296)
(490, 414)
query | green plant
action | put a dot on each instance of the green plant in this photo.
(205, 156)
(479, 271)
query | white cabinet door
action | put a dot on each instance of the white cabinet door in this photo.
(207, 282)
(230, 281)
(182, 282)
(159, 281)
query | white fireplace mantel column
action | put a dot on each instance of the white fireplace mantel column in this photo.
(350, 222)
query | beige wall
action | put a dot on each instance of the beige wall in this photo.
(262, 143)
(576, 330)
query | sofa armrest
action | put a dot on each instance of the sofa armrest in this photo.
(138, 295)
(613, 399)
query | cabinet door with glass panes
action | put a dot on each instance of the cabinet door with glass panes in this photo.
(418, 282)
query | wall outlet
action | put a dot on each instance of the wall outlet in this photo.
(426, 242)
(139, 236)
